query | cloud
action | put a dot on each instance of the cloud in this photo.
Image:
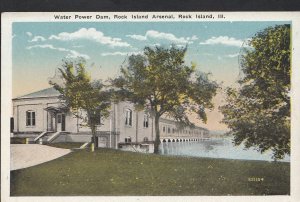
(152, 34)
(179, 46)
(120, 53)
(223, 40)
(219, 57)
(75, 54)
(193, 38)
(77, 46)
(90, 34)
(138, 37)
(49, 46)
(155, 45)
(37, 38)
(165, 36)
(29, 34)
(71, 53)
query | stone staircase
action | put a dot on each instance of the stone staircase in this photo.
(47, 137)
(40, 136)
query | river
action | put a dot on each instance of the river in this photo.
(215, 148)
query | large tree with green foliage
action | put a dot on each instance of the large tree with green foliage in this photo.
(160, 80)
(79, 93)
(258, 112)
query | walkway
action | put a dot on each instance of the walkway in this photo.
(27, 155)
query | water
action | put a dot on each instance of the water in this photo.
(215, 148)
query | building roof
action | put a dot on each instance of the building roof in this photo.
(166, 120)
(48, 92)
(56, 109)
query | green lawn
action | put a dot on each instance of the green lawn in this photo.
(112, 172)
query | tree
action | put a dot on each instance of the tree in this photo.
(79, 93)
(160, 81)
(258, 112)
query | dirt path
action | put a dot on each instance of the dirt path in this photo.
(27, 155)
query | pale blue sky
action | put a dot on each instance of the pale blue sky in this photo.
(38, 48)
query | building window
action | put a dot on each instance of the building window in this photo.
(164, 129)
(173, 130)
(169, 130)
(98, 119)
(59, 118)
(94, 118)
(127, 139)
(146, 121)
(146, 139)
(128, 117)
(30, 118)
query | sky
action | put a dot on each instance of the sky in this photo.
(39, 48)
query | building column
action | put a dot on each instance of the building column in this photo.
(136, 126)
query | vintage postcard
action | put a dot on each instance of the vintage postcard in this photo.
(134, 106)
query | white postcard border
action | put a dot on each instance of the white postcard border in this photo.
(6, 95)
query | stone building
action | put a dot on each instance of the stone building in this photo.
(42, 117)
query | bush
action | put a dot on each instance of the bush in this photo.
(17, 140)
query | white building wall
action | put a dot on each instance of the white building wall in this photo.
(39, 118)
(136, 131)
(145, 132)
(126, 130)
(170, 130)
(20, 107)
(71, 122)
(82, 124)
(114, 123)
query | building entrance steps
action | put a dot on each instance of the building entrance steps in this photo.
(40, 136)
(84, 145)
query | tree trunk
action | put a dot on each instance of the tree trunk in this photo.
(93, 137)
(136, 127)
(157, 135)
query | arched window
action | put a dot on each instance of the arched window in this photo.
(30, 118)
(146, 139)
(127, 139)
(128, 117)
(146, 121)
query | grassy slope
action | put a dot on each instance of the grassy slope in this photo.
(113, 172)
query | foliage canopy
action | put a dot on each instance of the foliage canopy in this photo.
(258, 112)
(80, 93)
(161, 81)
